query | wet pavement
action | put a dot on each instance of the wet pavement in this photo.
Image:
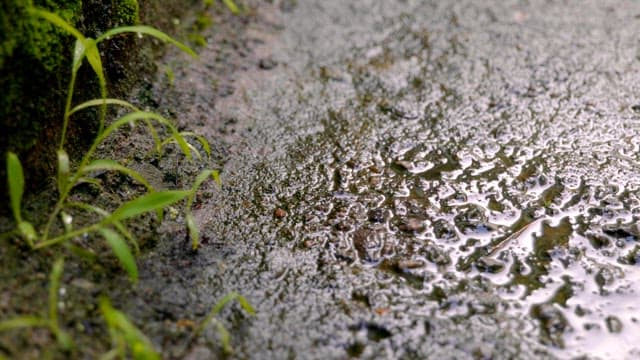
(421, 179)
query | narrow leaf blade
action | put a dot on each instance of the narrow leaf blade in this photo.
(54, 285)
(132, 118)
(122, 252)
(120, 326)
(78, 54)
(148, 202)
(112, 165)
(225, 338)
(63, 170)
(194, 232)
(244, 303)
(23, 322)
(216, 177)
(28, 232)
(93, 56)
(117, 224)
(201, 178)
(16, 184)
(100, 102)
(142, 29)
(232, 6)
(57, 21)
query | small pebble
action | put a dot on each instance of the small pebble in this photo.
(407, 165)
(411, 225)
(279, 213)
(267, 64)
(381, 311)
(410, 264)
(489, 265)
(377, 215)
(614, 325)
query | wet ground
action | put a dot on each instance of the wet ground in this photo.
(422, 179)
(411, 179)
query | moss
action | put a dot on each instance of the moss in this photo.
(127, 12)
(35, 38)
(35, 58)
(33, 62)
(202, 22)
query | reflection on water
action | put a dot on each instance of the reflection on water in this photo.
(470, 159)
(462, 181)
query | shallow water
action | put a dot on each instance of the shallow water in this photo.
(460, 180)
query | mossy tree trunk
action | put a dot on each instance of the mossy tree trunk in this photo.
(35, 60)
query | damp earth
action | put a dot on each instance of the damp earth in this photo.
(426, 179)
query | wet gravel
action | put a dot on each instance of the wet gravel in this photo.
(420, 179)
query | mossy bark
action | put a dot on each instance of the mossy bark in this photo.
(35, 60)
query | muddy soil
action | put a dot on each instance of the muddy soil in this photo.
(408, 179)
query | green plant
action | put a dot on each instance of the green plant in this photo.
(225, 337)
(125, 335)
(49, 321)
(127, 339)
(110, 223)
(232, 6)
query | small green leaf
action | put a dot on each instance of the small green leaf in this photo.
(201, 178)
(63, 170)
(217, 308)
(93, 56)
(123, 230)
(244, 303)
(141, 29)
(146, 203)
(196, 185)
(204, 143)
(57, 21)
(122, 329)
(111, 165)
(15, 180)
(133, 117)
(232, 6)
(154, 135)
(194, 233)
(216, 177)
(54, 285)
(122, 252)
(230, 297)
(81, 252)
(182, 143)
(225, 337)
(23, 322)
(78, 55)
(201, 140)
(64, 340)
(88, 180)
(67, 221)
(28, 232)
(100, 102)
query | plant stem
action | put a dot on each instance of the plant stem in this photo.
(68, 235)
(65, 192)
(67, 108)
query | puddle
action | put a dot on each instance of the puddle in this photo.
(458, 180)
